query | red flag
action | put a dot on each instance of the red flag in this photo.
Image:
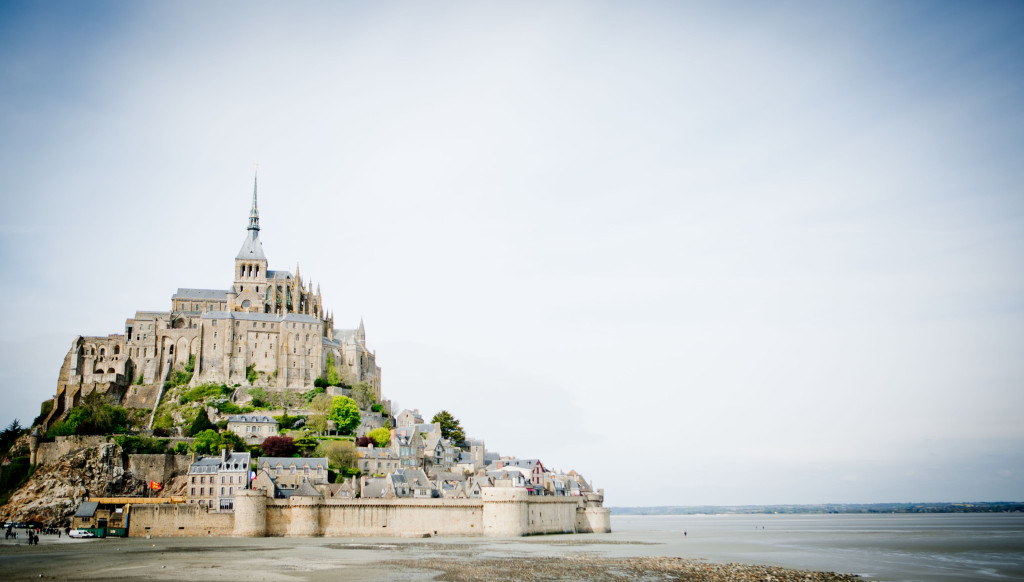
(155, 486)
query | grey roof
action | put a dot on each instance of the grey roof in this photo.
(527, 463)
(306, 490)
(249, 316)
(374, 488)
(251, 418)
(205, 465)
(216, 294)
(252, 248)
(213, 464)
(312, 462)
(278, 274)
(87, 509)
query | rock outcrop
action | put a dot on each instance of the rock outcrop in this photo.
(54, 491)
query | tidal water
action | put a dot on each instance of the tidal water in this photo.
(939, 547)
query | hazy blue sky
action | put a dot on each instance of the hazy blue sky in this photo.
(712, 253)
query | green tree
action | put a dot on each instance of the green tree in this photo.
(259, 397)
(345, 414)
(200, 424)
(10, 434)
(180, 448)
(451, 429)
(340, 455)
(231, 441)
(362, 393)
(319, 408)
(381, 436)
(206, 442)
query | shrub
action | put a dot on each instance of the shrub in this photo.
(259, 397)
(93, 416)
(204, 392)
(286, 422)
(278, 446)
(250, 373)
(381, 436)
(181, 448)
(377, 408)
(142, 445)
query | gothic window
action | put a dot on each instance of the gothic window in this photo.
(117, 350)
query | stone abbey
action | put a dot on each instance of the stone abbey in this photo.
(269, 323)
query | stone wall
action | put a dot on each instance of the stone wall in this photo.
(49, 453)
(159, 468)
(141, 396)
(178, 520)
(500, 512)
(548, 515)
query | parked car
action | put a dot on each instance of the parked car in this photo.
(81, 533)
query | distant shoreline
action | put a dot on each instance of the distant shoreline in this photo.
(965, 507)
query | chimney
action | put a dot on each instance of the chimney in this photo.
(224, 455)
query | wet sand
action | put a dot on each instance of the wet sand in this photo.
(598, 557)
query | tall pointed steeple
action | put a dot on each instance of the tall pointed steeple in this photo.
(252, 248)
(254, 214)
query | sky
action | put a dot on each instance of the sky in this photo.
(702, 253)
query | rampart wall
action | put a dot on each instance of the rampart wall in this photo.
(178, 520)
(49, 452)
(501, 512)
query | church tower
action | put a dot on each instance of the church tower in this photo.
(250, 286)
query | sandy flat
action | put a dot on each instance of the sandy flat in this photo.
(569, 557)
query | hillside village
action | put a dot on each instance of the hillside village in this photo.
(246, 389)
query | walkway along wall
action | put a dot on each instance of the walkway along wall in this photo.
(500, 512)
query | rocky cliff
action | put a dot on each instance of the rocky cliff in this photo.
(54, 491)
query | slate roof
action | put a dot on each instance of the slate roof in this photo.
(87, 509)
(250, 316)
(271, 274)
(259, 419)
(306, 490)
(216, 294)
(252, 249)
(299, 462)
(205, 465)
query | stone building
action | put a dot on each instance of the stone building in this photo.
(289, 472)
(253, 428)
(268, 323)
(214, 481)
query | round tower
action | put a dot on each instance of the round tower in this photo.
(33, 446)
(505, 511)
(250, 513)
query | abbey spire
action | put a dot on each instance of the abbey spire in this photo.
(254, 214)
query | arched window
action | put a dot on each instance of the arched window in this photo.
(117, 350)
(241, 272)
(170, 350)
